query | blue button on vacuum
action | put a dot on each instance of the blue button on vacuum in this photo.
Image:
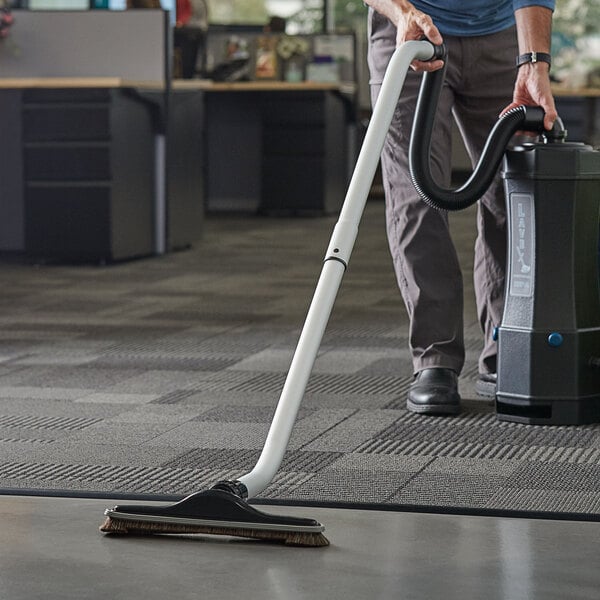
(555, 339)
(495, 334)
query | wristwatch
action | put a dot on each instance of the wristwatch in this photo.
(533, 57)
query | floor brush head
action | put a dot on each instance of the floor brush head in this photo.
(214, 512)
(116, 526)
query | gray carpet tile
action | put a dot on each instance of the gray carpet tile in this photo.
(472, 466)
(215, 458)
(46, 422)
(341, 485)
(349, 434)
(174, 397)
(545, 500)
(246, 414)
(320, 383)
(162, 382)
(164, 362)
(428, 429)
(162, 375)
(59, 376)
(557, 477)
(448, 489)
(87, 452)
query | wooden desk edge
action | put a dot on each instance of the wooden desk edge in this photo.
(75, 82)
(212, 86)
(177, 84)
(260, 86)
(563, 92)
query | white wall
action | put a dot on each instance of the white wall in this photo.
(92, 43)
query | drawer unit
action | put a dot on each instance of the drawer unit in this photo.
(67, 162)
(277, 152)
(88, 163)
(69, 220)
(304, 153)
(294, 141)
(289, 108)
(66, 122)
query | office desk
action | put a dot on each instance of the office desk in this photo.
(84, 175)
(276, 147)
(80, 172)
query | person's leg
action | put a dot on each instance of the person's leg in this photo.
(424, 257)
(483, 94)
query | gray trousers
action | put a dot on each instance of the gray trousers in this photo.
(479, 84)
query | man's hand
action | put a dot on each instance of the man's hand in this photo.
(412, 24)
(532, 88)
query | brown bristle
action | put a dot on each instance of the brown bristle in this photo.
(289, 538)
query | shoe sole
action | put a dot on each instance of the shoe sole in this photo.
(433, 409)
(485, 389)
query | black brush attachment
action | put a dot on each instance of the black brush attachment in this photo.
(216, 511)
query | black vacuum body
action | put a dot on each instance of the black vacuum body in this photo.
(549, 339)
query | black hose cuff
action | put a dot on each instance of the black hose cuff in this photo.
(237, 488)
(439, 52)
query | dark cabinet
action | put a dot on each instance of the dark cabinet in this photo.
(88, 166)
(304, 153)
(276, 152)
(184, 169)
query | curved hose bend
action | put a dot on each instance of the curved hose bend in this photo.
(519, 118)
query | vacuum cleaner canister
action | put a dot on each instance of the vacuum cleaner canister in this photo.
(549, 339)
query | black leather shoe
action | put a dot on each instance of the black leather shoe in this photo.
(434, 392)
(485, 385)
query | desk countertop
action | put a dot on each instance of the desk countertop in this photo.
(212, 86)
(75, 82)
(562, 92)
(177, 84)
(259, 86)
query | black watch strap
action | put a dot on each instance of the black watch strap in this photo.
(533, 57)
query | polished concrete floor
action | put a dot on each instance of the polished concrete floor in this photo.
(51, 548)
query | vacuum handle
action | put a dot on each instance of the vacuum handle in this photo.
(367, 162)
(336, 260)
(525, 118)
